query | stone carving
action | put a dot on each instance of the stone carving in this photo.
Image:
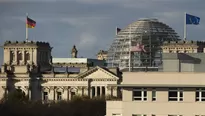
(66, 88)
(60, 89)
(108, 88)
(73, 89)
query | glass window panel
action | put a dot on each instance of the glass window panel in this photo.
(202, 94)
(145, 93)
(137, 93)
(154, 93)
(181, 94)
(197, 94)
(172, 93)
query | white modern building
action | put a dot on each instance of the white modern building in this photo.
(160, 94)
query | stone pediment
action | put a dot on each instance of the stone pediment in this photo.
(97, 73)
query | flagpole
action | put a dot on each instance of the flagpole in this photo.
(116, 30)
(185, 26)
(26, 28)
(130, 51)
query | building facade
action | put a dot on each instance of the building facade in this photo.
(102, 55)
(29, 66)
(177, 89)
(160, 94)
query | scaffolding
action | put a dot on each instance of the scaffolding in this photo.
(149, 32)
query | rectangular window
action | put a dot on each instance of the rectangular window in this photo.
(116, 114)
(45, 96)
(59, 96)
(175, 94)
(140, 94)
(174, 115)
(200, 94)
(139, 115)
(153, 94)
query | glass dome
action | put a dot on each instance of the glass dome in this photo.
(138, 45)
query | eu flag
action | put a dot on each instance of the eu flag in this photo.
(190, 19)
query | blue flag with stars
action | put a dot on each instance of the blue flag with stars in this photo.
(192, 20)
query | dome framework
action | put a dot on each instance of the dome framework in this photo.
(147, 32)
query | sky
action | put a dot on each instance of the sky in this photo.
(91, 24)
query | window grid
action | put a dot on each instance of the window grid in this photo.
(153, 94)
(178, 92)
(200, 94)
(141, 94)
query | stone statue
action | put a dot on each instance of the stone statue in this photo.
(28, 68)
(74, 52)
(52, 69)
(5, 67)
(51, 60)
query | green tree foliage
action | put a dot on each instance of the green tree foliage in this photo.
(79, 106)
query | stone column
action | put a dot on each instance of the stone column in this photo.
(65, 93)
(96, 90)
(52, 93)
(86, 91)
(80, 91)
(109, 92)
(91, 91)
(28, 91)
(15, 58)
(101, 90)
(69, 94)
(114, 91)
(23, 57)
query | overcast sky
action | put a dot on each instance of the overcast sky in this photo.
(90, 24)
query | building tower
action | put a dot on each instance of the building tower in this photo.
(74, 52)
(102, 55)
(25, 57)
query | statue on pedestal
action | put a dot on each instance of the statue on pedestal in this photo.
(74, 52)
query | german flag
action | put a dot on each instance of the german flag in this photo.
(30, 23)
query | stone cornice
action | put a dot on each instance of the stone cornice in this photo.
(64, 79)
(95, 69)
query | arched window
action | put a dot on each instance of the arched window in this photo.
(12, 56)
(27, 56)
(19, 57)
